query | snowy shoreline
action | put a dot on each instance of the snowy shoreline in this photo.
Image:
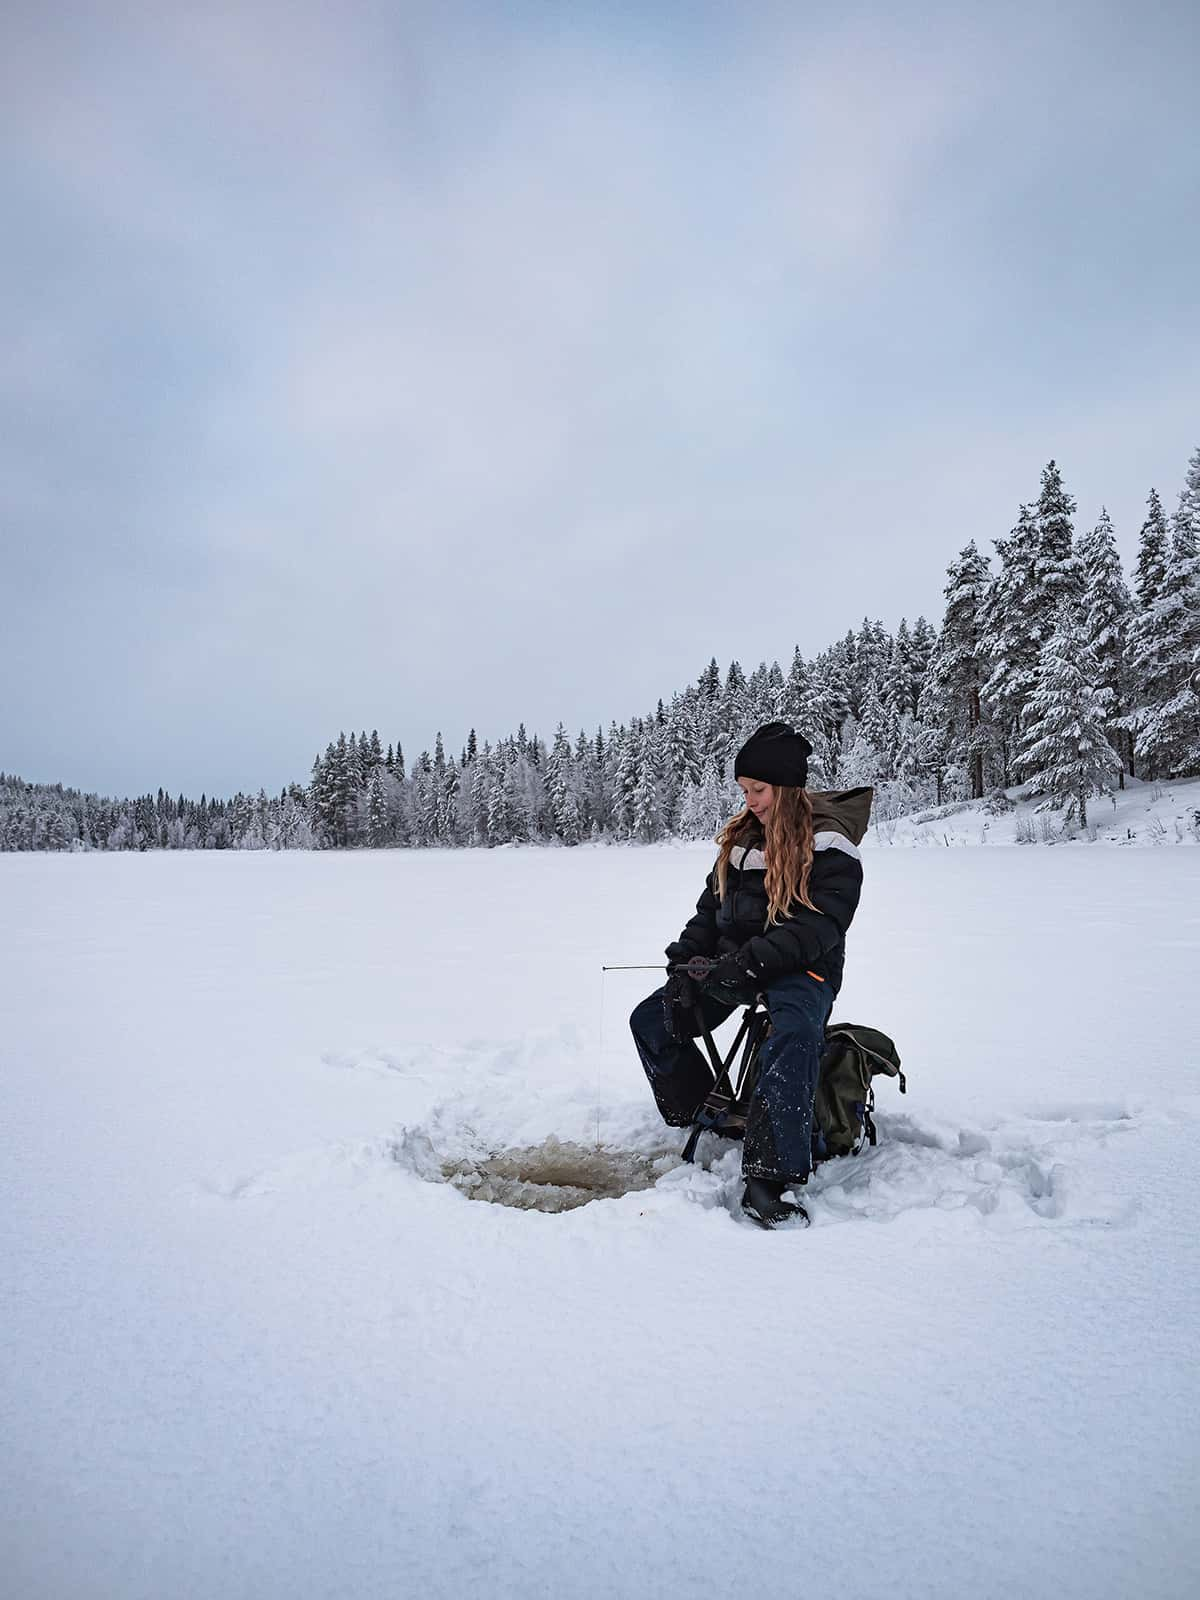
(1141, 814)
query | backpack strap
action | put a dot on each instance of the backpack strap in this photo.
(868, 1119)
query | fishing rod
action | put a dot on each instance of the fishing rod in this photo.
(697, 967)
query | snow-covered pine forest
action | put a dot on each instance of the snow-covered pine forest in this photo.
(1049, 669)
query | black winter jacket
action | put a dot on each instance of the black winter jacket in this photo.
(805, 940)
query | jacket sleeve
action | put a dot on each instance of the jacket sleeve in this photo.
(834, 886)
(699, 937)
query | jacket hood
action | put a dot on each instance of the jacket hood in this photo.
(845, 811)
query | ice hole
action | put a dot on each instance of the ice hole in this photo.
(555, 1176)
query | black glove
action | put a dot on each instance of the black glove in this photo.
(734, 979)
(680, 990)
(679, 995)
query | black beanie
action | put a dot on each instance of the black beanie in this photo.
(775, 754)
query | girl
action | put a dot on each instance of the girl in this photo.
(774, 911)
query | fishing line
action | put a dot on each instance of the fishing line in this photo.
(600, 1055)
(646, 966)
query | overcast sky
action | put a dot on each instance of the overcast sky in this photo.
(415, 367)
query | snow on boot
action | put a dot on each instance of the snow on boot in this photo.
(763, 1201)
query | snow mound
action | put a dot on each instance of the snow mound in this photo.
(1140, 814)
(1015, 1172)
(1027, 1170)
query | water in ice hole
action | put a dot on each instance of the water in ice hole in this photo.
(555, 1176)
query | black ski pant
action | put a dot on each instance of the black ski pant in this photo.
(778, 1141)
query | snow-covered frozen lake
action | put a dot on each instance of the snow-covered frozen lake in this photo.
(251, 1352)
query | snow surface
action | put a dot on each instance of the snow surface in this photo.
(252, 1350)
(1140, 814)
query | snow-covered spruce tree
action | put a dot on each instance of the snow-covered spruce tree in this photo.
(626, 748)
(422, 801)
(1065, 746)
(1060, 581)
(253, 835)
(1038, 574)
(924, 642)
(775, 690)
(878, 730)
(839, 672)
(833, 669)
(239, 816)
(898, 680)
(1149, 669)
(861, 763)
(799, 703)
(515, 772)
(1107, 612)
(764, 694)
(379, 829)
(395, 792)
(923, 759)
(497, 822)
(647, 818)
(558, 780)
(675, 745)
(571, 824)
(1169, 731)
(700, 807)
(872, 742)
(872, 652)
(533, 791)
(1188, 513)
(587, 770)
(577, 820)
(472, 799)
(589, 766)
(760, 698)
(710, 735)
(665, 787)
(683, 750)
(952, 696)
(728, 714)
(449, 785)
(293, 828)
(839, 668)
(828, 709)
(608, 793)
(1181, 624)
(343, 781)
(1153, 543)
(709, 684)
(320, 800)
(1007, 644)
(205, 824)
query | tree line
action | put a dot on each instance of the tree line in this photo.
(1048, 670)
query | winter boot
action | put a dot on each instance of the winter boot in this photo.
(763, 1202)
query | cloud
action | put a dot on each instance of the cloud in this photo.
(435, 366)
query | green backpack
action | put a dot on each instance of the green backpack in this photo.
(844, 1101)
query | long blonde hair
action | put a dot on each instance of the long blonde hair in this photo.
(788, 849)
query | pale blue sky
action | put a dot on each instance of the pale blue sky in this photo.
(416, 366)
